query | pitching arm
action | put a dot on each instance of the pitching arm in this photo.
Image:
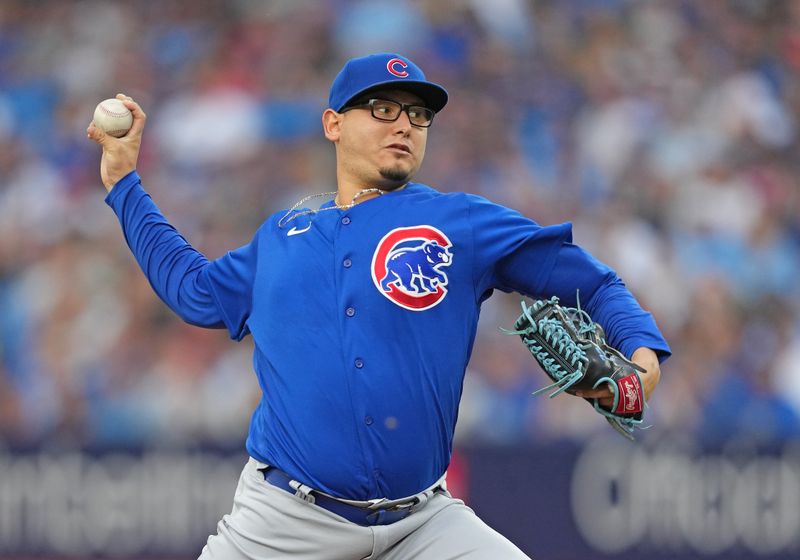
(213, 295)
(208, 294)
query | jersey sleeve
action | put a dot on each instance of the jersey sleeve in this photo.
(578, 277)
(207, 294)
(514, 253)
(230, 281)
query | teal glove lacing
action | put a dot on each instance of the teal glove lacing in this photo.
(564, 361)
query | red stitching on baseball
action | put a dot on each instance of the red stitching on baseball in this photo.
(111, 113)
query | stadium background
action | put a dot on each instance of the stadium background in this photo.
(665, 130)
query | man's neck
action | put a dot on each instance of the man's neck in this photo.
(350, 195)
(357, 196)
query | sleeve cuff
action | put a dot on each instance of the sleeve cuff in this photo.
(122, 186)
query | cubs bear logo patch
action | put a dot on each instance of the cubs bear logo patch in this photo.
(407, 266)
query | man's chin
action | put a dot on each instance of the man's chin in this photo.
(394, 178)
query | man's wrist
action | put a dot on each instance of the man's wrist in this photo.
(119, 188)
(648, 359)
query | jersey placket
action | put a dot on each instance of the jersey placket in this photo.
(349, 286)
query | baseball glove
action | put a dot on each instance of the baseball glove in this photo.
(572, 350)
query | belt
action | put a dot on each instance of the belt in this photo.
(365, 516)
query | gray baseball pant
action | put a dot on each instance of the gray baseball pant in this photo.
(267, 522)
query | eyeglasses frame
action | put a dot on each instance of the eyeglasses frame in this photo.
(403, 109)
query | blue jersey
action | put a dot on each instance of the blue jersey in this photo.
(364, 319)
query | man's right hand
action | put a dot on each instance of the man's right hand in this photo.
(119, 154)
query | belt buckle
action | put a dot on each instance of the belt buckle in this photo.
(408, 505)
(390, 505)
(383, 513)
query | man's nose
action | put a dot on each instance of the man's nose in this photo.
(403, 122)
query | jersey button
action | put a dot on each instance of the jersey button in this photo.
(359, 363)
(346, 220)
(368, 420)
(347, 263)
(350, 311)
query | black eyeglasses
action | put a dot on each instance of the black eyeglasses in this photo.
(389, 111)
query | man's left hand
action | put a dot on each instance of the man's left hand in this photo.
(647, 360)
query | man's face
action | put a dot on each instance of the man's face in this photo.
(380, 153)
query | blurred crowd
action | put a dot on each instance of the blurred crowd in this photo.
(666, 131)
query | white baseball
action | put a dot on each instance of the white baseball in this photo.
(113, 117)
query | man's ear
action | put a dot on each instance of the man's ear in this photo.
(332, 124)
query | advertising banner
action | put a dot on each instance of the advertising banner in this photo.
(607, 500)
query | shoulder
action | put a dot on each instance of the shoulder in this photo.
(478, 210)
(421, 191)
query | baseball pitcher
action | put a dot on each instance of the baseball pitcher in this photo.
(364, 312)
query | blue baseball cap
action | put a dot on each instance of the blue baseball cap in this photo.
(382, 71)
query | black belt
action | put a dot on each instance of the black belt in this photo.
(363, 516)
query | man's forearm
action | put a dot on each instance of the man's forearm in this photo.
(171, 265)
(648, 359)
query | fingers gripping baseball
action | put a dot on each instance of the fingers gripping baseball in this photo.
(120, 155)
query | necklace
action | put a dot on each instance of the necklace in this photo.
(336, 206)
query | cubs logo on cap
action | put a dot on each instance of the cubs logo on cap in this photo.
(383, 71)
(408, 266)
(393, 65)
